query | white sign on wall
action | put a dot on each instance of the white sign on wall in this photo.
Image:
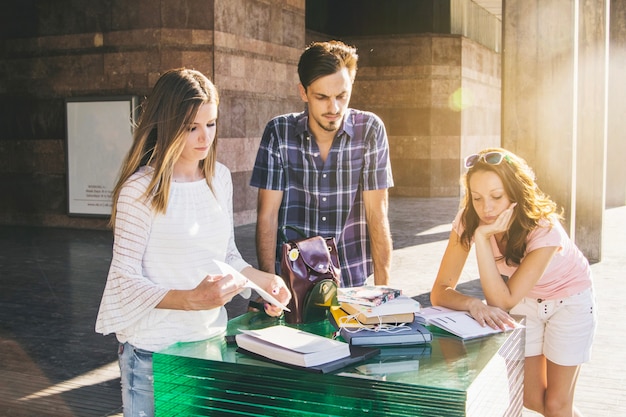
(99, 134)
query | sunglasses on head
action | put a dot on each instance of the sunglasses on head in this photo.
(491, 158)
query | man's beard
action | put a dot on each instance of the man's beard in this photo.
(331, 126)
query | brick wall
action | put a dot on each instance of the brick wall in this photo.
(64, 50)
(257, 47)
(250, 49)
(439, 96)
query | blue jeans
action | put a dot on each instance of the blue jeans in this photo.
(137, 381)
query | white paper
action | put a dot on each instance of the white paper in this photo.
(435, 311)
(229, 270)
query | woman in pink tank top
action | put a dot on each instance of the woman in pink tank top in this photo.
(528, 266)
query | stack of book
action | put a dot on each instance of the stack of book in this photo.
(374, 305)
(400, 310)
(378, 316)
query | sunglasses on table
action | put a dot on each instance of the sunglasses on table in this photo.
(491, 158)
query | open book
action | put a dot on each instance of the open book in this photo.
(459, 323)
(292, 346)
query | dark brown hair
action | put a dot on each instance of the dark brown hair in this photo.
(325, 58)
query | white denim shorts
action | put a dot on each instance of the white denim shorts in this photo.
(560, 329)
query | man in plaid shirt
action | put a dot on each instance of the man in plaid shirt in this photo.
(326, 171)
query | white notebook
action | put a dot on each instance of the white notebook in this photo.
(296, 347)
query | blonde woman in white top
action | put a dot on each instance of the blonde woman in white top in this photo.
(172, 216)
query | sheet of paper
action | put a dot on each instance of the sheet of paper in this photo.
(435, 311)
(229, 270)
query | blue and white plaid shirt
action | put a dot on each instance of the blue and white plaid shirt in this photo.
(326, 198)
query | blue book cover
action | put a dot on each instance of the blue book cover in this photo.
(407, 334)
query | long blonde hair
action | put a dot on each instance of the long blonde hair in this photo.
(159, 137)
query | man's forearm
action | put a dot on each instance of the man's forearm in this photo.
(376, 210)
(266, 228)
(266, 246)
(382, 248)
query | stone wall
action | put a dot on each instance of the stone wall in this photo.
(257, 47)
(439, 96)
(62, 50)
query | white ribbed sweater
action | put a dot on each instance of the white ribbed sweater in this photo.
(155, 253)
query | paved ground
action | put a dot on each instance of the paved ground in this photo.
(53, 364)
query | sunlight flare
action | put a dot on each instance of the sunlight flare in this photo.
(104, 373)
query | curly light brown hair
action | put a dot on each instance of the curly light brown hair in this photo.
(519, 184)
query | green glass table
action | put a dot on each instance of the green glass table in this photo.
(448, 377)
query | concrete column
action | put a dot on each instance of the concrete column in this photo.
(616, 133)
(554, 79)
(591, 125)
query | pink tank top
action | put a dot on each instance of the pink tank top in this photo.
(567, 274)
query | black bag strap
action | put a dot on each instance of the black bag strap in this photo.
(283, 232)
